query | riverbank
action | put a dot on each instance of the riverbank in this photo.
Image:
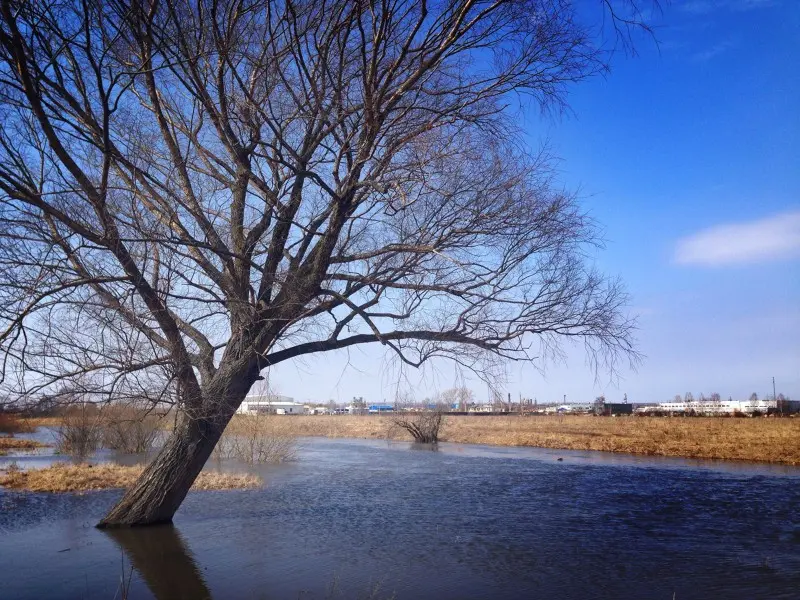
(756, 439)
(87, 477)
(770, 440)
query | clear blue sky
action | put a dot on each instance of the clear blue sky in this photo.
(689, 156)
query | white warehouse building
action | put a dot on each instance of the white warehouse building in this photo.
(280, 405)
(709, 407)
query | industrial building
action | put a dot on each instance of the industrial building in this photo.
(278, 405)
(710, 407)
(612, 409)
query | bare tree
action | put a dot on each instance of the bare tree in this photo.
(358, 405)
(191, 192)
(458, 397)
(497, 401)
(599, 405)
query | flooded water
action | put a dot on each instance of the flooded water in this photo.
(358, 519)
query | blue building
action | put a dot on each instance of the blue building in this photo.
(380, 408)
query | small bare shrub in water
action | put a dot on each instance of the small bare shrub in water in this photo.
(130, 430)
(80, 431)
(258, 439)
(423, 422)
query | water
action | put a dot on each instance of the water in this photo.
(470, 522)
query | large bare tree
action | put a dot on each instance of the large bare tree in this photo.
(192, 191)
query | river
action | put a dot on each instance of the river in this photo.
(371, 519)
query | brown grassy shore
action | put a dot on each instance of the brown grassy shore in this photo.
(15, 444)
(85, 477)
(756, 439)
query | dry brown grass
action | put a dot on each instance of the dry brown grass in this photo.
(114, 413)
(36, 422)
(86, 477)
(11, 423)
(9, 443)
(332, 426)
(757, 439)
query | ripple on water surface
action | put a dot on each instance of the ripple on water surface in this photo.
(463, 522)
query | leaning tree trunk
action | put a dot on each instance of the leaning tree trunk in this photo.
(162, 487)
(159, 491)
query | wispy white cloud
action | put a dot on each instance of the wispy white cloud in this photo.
(698, 7)
(713, 51)
(751, 4)
(764, 240)
(702, 7)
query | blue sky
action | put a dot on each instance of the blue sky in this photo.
(688, 154)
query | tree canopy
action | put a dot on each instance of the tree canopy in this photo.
(178, 179)
(193, 191)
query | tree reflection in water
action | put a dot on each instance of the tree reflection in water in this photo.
(424, 447)
(163, 560)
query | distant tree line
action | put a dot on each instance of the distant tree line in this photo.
(715, 397)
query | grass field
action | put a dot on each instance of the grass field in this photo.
(756, 439)
(85, 477)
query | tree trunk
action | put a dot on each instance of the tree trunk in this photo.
(162, 487)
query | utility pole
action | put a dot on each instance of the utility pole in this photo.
(774, 395)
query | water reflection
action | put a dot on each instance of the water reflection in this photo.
(424, 447)
(163, 560)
